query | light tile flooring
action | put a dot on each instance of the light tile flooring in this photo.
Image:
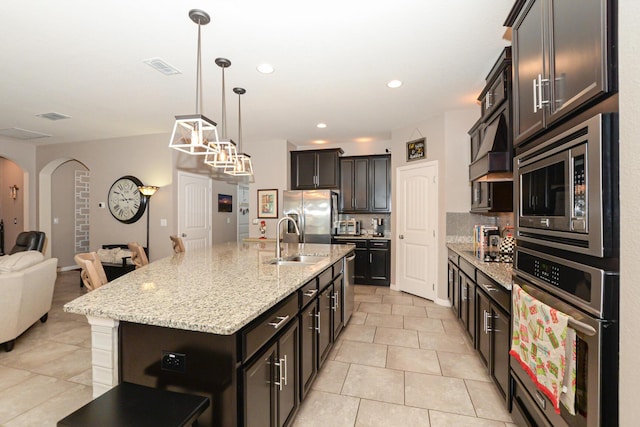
(402, 361)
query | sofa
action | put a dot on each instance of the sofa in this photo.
(27, 280)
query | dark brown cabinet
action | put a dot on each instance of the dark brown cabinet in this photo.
(365, 184)
(325, 331)
(372, 265)
(563, 60)
(453, 274)
(467, 292)
(316, 169)
(491, 196)
(493, 338)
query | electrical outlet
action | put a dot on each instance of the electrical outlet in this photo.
(173, 362)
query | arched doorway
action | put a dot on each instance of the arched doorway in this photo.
(64, 191)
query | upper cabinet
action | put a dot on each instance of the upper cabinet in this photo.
(365, 184)
(564, 60)
(316, 169)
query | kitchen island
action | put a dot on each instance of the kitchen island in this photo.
(199, 321)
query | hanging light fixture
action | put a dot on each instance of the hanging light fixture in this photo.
(226, 155)
(195, 134)
(242, 166)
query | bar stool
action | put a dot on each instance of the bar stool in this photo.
(133, 405)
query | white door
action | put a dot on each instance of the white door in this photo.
(417, 223)
(194, 210)
(243, 211)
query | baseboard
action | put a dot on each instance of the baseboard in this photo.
(68, 268)
(443, 302)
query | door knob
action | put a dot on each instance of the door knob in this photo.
(401, 236)
(184, 234)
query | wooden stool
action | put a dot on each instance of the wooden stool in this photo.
(132, 405)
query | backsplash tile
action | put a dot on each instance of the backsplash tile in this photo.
(460, 224)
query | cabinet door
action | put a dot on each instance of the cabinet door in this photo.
(527, 65)
(325, 333)
(471, 306)
(259, 390)
(327, 169)
(380, 183)
(500, 345)
(379, 264)
(308, 346)
(578, 53)
(346, 185)
(453, 287)
(464, 300)
(483, 337)
(303, 170)
(361, 185)
(288, 370)
(361, 268)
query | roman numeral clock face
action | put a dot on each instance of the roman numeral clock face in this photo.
(126, 204)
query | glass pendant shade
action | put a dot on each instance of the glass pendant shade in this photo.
(225, 157)
(242, 166)
(195, 134)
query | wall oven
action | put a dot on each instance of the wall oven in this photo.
(566, 189)
(590, 297)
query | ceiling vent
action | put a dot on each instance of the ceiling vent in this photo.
(23, 134)
(162, 66)
(53, 116)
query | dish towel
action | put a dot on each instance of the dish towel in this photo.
(545, 347)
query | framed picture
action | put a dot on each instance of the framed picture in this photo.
(416, 149)
(225, 203)
(268, 203)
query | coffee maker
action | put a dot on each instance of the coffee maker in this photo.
(378, 226)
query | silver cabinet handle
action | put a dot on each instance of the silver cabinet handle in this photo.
(318, 322)
(281, 319)
(285, 369)
(370, 258)
(311, 293)
(335, 298)
(535, 95)
(280, 381)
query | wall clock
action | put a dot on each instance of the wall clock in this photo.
(126, 204)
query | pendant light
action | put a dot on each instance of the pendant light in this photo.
(226, 155)
(195, 134)
(242, 166)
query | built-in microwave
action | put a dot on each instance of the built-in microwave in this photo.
(348, 227)
(567, 189)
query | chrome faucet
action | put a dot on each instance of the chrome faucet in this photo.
(278, 239)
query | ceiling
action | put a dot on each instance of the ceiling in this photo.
(332, 60)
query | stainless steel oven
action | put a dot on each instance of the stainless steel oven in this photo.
(566, 189)
(590, 297)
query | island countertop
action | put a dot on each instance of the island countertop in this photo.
(218, 290)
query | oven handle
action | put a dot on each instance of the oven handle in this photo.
(583, 328)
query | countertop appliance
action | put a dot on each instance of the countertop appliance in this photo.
(378, 226)
(348, 227)
(315, 212)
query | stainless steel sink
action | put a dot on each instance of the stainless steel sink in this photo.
(298, 259)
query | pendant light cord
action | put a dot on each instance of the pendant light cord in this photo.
(239, 126)
(199, 77)
(224, 109)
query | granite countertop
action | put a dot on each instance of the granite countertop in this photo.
(217, 290)
(498, 271)
(362, 237)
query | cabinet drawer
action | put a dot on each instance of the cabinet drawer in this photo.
(267, 325)
(359, 243)
(308, 292)
(337, 268)
(496, 292)
(379, 244)
(468, 269)
(325, 278)
(453, 257)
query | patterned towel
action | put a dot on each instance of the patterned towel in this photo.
(545, 347)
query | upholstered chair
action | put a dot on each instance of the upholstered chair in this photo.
(178, 244)
(92, 274)
(29, 241)
(138, 255)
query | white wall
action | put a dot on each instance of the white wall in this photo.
(457, 152)
(629, 66)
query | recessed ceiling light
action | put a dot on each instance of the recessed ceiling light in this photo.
(321, 125)
(163, 66)
(265, 68)
(394, 84)
(319, 141)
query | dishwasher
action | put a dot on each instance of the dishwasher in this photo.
(347, 294)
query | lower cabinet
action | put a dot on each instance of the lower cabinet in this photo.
(308, 346)
(494, 336)
(453, 274)
(373, 261)
(271, 382)
(325, 331)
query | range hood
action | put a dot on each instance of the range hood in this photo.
(493, 163)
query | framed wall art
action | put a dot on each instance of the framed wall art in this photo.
(416, 149)
(225, 203)
(268, 203)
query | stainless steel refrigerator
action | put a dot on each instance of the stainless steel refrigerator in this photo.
(315, 212)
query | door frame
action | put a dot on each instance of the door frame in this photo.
(180, 199)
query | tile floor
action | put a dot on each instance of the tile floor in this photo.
(402, 361)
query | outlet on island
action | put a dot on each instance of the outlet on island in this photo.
(173, 362)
